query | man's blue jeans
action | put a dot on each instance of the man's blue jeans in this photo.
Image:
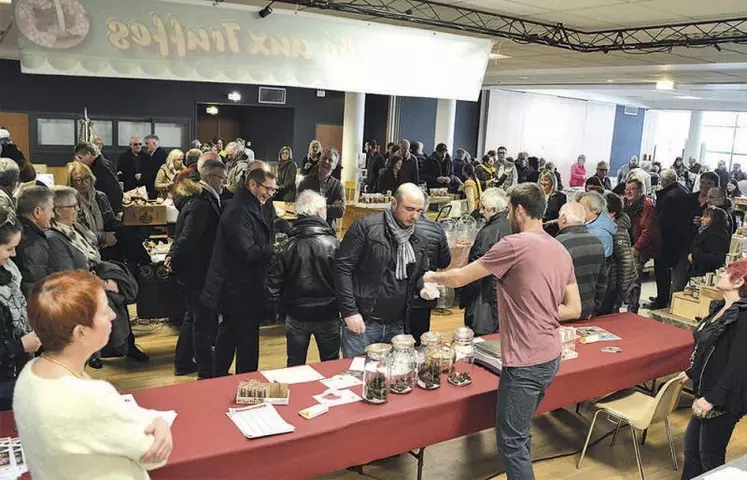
(520, 392)
(354, 344)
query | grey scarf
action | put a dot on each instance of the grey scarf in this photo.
(405, 253)
(13, 299)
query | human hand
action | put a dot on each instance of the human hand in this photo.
(111, 286)
(30, 342)
(690, 258)
(701, 407)
(696, 220)
(110, 239)
(162, 444)
(138, 176)
(430, 277)
(430, 292)
(307, 166)
(355, 323)
(167, 263)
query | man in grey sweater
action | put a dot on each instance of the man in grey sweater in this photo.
(321, 180)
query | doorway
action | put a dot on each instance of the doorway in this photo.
(329, 136)
(267, 129)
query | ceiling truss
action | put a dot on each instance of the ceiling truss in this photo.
(464, 19)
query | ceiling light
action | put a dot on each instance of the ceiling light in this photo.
(523, 78)
(687, 97)
(498, 56)
(665, 85)
(234, 96)
(212, 110)
(5, 1)
(609, 80)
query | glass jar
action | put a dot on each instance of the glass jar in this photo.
(376, 373)
(404, 364)
(464, 356)
(429, 367)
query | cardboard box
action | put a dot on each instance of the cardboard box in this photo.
(144, 215)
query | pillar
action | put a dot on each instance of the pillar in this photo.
(445, 119)
(692, 144)
(352, 134)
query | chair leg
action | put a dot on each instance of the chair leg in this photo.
(637, 450)
(644, 436)
(617, 430)
(671, 443)
(588, 437)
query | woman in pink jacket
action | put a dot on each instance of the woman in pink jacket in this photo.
(578, 172)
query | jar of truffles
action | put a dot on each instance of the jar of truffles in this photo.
(376, 373)
(404, 364)
(429, 367)
(464, 357)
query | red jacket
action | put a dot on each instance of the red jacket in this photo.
(646, 233)
(578, 175)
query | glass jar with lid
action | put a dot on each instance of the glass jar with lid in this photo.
(376, 373)
(460, 373)
(403, 364)
(429, 367)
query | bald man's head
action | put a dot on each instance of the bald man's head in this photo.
(572, 213)
(407, 204)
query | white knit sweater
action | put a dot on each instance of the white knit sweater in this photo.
(80, 429)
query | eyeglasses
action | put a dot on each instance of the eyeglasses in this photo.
(269, 189)
(76, 206)
(137, 144)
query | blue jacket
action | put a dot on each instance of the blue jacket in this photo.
(604, 229)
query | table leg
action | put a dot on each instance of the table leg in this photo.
(421, 460)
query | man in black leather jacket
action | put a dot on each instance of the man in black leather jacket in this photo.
(301, 279)
(379, 269)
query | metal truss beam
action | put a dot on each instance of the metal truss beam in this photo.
(470, 20)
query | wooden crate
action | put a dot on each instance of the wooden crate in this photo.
(693, 308)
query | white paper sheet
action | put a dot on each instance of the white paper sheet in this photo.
(341, 382)
(342, 397)
(357, 365)
(300, 374)
(259, 421)
(728, 473)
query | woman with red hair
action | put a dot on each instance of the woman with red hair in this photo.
(73, 426)
(718, 369)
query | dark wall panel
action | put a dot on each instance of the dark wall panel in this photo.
(466, 127)
(377, 112)
(155, 98)
(417, 121)
(626, 138)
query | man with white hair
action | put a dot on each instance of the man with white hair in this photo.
(642, 174)
(379, 269)
(322, 181)
(301, 281)
(622, 174)
(597, 221)
(587, 253)
(693, 166)
(130, 164)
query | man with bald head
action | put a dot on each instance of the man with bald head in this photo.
(587, 252)
(673, 211)
(410, 165)
(379, 269)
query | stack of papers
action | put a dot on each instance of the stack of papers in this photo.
(300, 374)
(488, 354)
(593, 334)
(259, 421)
(12, 459)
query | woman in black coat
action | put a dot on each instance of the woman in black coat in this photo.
(391, 177)
(712, 243)
(718, 369)
(555, 200)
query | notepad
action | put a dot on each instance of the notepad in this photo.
(259, 421)
(728, 473)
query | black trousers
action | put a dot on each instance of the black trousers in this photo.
(420, 322)
(705, 444)
(237, 334)
(196, 336)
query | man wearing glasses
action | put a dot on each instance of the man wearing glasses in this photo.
(602, 169)
(235, 284)
(130, 163)
(189, 258)
(322, 181)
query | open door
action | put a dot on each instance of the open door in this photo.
(330, 136)
(18, 125)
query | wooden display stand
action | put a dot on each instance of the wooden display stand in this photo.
(693, 308)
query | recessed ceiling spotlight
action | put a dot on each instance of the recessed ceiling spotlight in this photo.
(687, 97)
(523, 78)
(212, 110)
(609, 80)
(234, 96)
(665, 85)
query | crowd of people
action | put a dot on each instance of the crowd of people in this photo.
(581, 252)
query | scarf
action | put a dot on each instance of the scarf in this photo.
(405, 253)
(78, 238)
(13, 299)
(94, 220)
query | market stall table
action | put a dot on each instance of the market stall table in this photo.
(208, 445)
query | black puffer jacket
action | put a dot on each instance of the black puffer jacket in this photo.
(194, 234)
(709, 251)
(439, 255)
(479, 298)
(235, 281)
(301, 275)
(718, 365)
(361, 261)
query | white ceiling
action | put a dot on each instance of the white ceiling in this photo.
(712, 76)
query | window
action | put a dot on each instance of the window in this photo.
(127, 130)
(725, 137)
(103, 129)
(55, 131)
(171, 134)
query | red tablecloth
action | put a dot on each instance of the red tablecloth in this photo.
(207, 445)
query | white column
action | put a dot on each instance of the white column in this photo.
(445, 119)
(352, 134)
(692, 144)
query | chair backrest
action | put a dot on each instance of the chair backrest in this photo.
(667, 398)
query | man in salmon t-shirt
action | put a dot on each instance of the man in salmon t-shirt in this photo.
(537, 290)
